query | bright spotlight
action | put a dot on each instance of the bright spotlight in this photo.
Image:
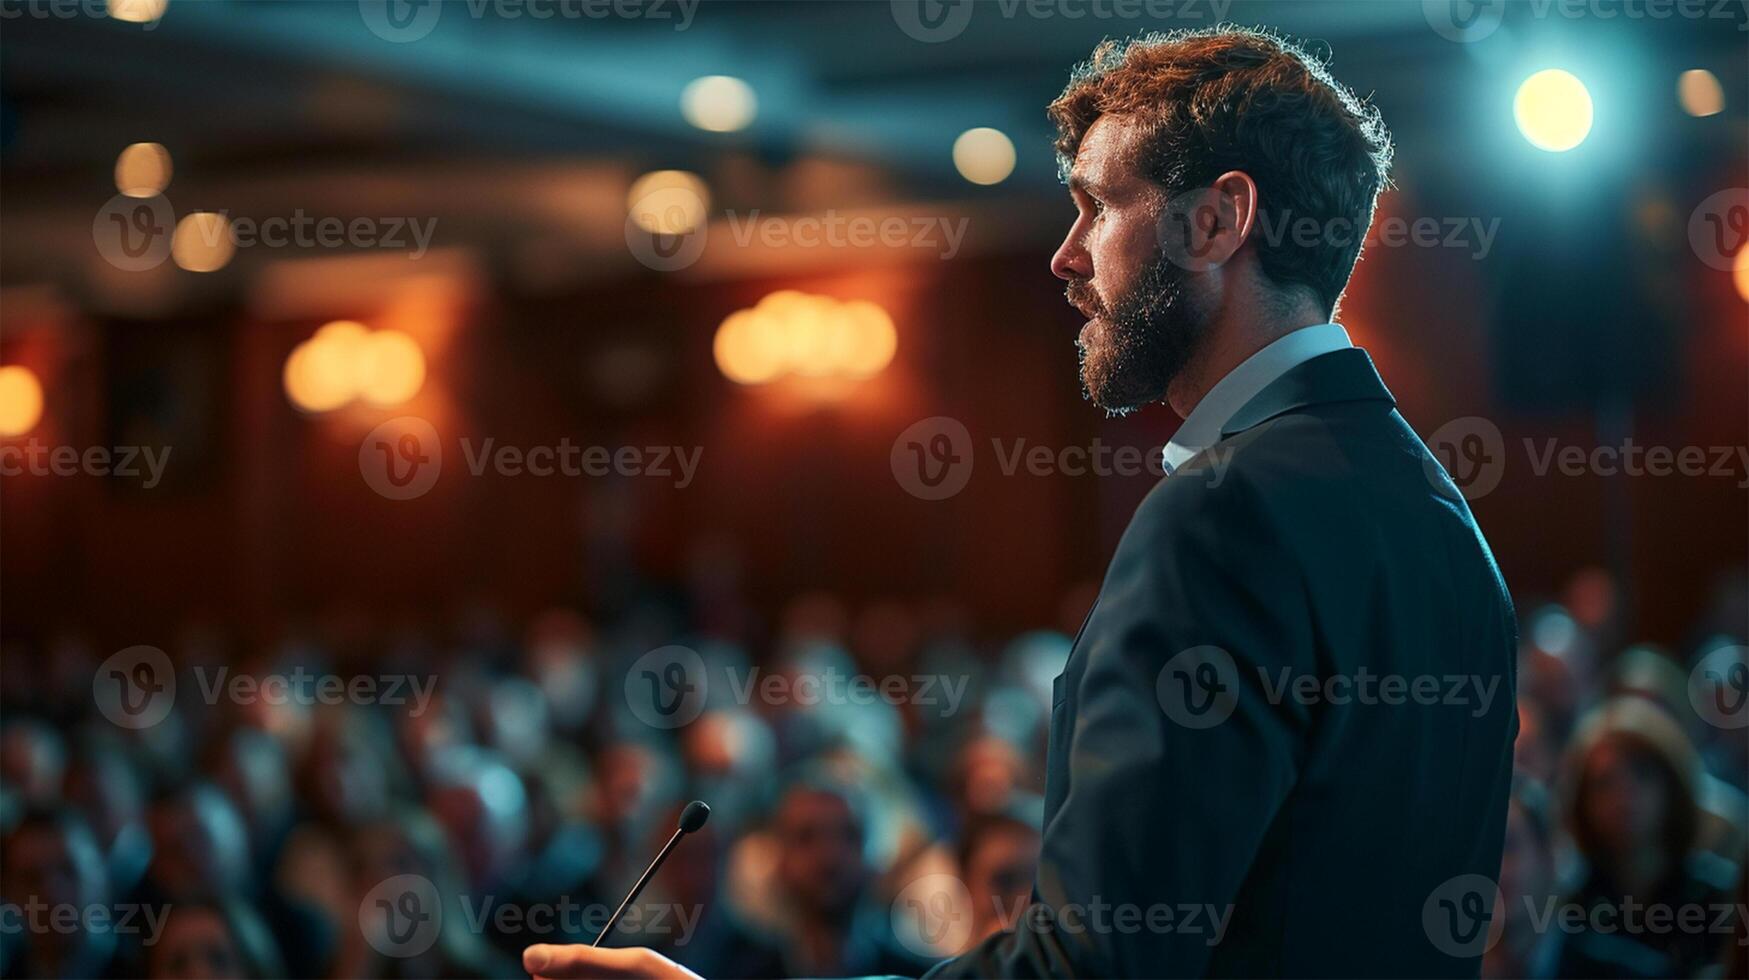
(984, 155)
(1553, 110)
(718, 103)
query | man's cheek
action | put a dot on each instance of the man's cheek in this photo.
(1121, 259)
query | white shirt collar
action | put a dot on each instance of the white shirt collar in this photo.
(1202, 428)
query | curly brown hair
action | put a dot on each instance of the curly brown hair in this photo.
(1233, 98)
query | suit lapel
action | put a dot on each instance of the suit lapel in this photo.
(1340, 376)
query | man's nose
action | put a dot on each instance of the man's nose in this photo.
(1072, 260)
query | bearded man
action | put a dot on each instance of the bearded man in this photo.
(1282, 742)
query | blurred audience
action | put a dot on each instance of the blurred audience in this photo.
(435, 836)
(212, 941)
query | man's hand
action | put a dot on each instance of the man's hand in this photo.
(547, 962)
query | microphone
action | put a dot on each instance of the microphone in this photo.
(691, 819)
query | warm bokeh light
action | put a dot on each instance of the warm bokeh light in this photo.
(867, 342)
(346, 360)
(805, 325)
(791, 332)
(390, 368)
(316, 378)
(668, 202)
(746, 350)
(984, 155)
(202, 242)
(342, 335)
(137, 11)
(719, 103)
(1740, 272)
(1700, 93)
(1553, 110)
(21, 400)
(143, 170)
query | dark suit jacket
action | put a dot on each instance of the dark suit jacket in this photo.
(1217, 766)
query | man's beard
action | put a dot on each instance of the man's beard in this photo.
(1140, 345)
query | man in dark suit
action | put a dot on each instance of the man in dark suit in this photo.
(1282, 742)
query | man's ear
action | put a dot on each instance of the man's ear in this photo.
(1203, 228)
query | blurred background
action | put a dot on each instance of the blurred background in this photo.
(486, 364)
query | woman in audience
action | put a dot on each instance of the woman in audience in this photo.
(1649, 899)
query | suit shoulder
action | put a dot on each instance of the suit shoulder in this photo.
(1240, 472)
(1203, 499)
(1310, 476)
